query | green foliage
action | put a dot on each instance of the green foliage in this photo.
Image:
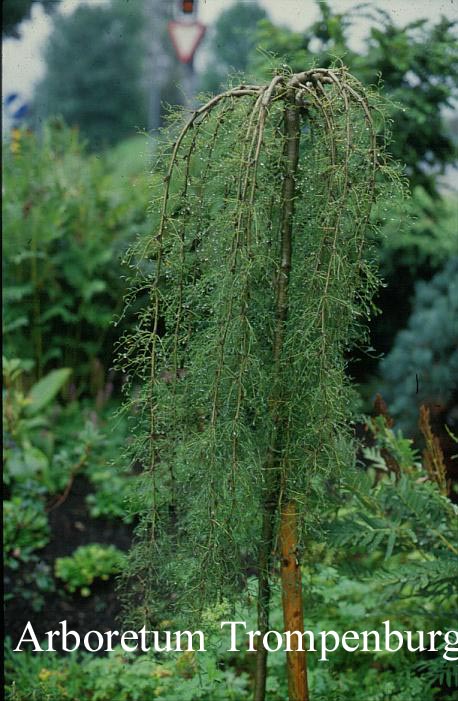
(419, 235)
(112, 484)
(416, 68)
(88, 563)
(35, 679)
(68, 221)
(199, 363)
(417, 65)
(233, 37)
(397, 536)
(400, 448)
(36, 457)
(25, 533)
(25, 530)
(121, 676)
(23, 419)
(43, 453)
(94, 72)
(45, 447)
(45, 390)
(427, 350)
(111, 494)
(396, 516)
(353, 581)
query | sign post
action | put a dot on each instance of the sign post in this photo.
(186, 37)
(186, 33)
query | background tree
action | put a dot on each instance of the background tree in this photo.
(231, 40)
(417, 65)
(422, 365)
(418, 69)
(94, 72)
(16, 11)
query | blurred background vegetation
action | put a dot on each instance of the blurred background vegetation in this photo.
(77, 175)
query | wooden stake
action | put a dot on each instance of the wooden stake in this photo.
(273, 464)
(293, 613)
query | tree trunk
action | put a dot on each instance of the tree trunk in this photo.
(264, 566)
(274, 458)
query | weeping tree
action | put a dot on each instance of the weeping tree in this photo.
(259, 277)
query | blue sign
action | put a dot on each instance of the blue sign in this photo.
(16, 108)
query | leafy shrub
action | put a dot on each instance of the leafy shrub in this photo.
(417, 64)
(107, 470)
(46, 446)
(68, 222)
(33, 678)
(395, 539)
(23, 417)
(111, 493)
(25, 530)
(35, 456)
(419, 236)
(372, 567)
(88, 563)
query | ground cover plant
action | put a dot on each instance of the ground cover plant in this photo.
(371, 560)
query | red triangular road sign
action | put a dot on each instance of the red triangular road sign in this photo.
(186, 37)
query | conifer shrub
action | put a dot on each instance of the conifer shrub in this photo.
(423, 363)
(259, 277)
